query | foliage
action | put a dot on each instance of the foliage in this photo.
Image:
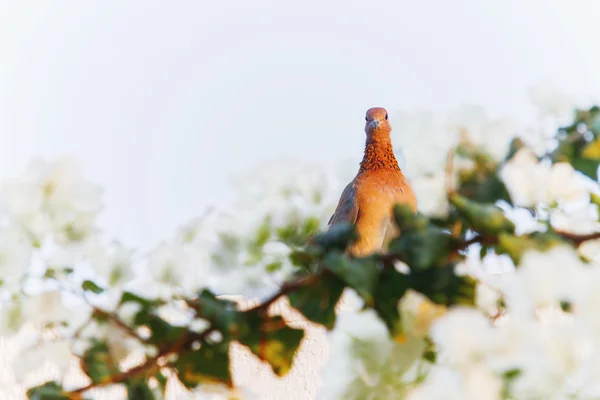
(429, 325)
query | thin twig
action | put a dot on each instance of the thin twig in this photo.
(578, 239)
(286, 288)
(450, 190)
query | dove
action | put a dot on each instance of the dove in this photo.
(367, 201)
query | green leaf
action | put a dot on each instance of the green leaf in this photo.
(338, 237)
(47, 391)
(162, 382)
(515, 145)
(138, 389)
(406, 218)
(486, 219)
(301, 258)
(442, 286)
(516, 246)
(586, 166)
(317, 301)
(574, 147)
(311, 226)
(484, 188)
(222, 314)
(274, 266)
(595, 199)
(271, 340)
(509, 377)
(421, 243)
(591, 151)
(263, 234)
(391, 286)
(91, 286)
(423, 248)
(358, 273)
(163, 334)
(209, 364)
(133, 298)
(98, 364)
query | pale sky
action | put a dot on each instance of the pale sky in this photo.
(164, 101)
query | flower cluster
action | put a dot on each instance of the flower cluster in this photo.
(488, 293)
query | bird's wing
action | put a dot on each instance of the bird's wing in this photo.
(347, 208)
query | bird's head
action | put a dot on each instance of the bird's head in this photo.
(377, 123)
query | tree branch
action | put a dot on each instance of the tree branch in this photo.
(285, 289)
(578, 239)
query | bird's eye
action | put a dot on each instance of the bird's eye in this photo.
(367, 119)
(386, 116)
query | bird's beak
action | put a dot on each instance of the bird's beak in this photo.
(374, 124)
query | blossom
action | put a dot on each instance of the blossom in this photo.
(432, 199)
(53, 198)
(364, 361)
(530, 182)
(463, 335)
(545, 279)
(47, 308)
(11, 316)
(472, 125)
(418, 313)
(112, 262)
(120, 343)
(15, 255)
(551, 101)
(426, 138)
(175, 264)
(581, 220)
(55, 352)
(473, 383)
(524, 221)
(590, 251)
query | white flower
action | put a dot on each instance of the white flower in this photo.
(530, 182)
(552, 102)
(471, 383)
(175, 313)
(178, 265)
(127, 312)
(425, 141)
(463, 336)
(472, 124)
(112, 262)
(586, 301)
(432, 199)
(582, 220)
(590, 251)
(486, 298)
(53, 197)
(544, 279)
(12, 316)
(441, 384)
(121, 344)
(15, 255)
(418, 313)
(47, 308)
(199, 325)
(548, 360)
(524, 221)
(55, 352)
(364, 361)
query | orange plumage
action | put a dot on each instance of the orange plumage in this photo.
(367, 201)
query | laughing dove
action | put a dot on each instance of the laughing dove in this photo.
(367, 202)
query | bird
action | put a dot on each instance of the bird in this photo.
(367, 201)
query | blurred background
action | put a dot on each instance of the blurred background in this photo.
(165, 102)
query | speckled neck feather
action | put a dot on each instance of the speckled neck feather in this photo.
(379, 155)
